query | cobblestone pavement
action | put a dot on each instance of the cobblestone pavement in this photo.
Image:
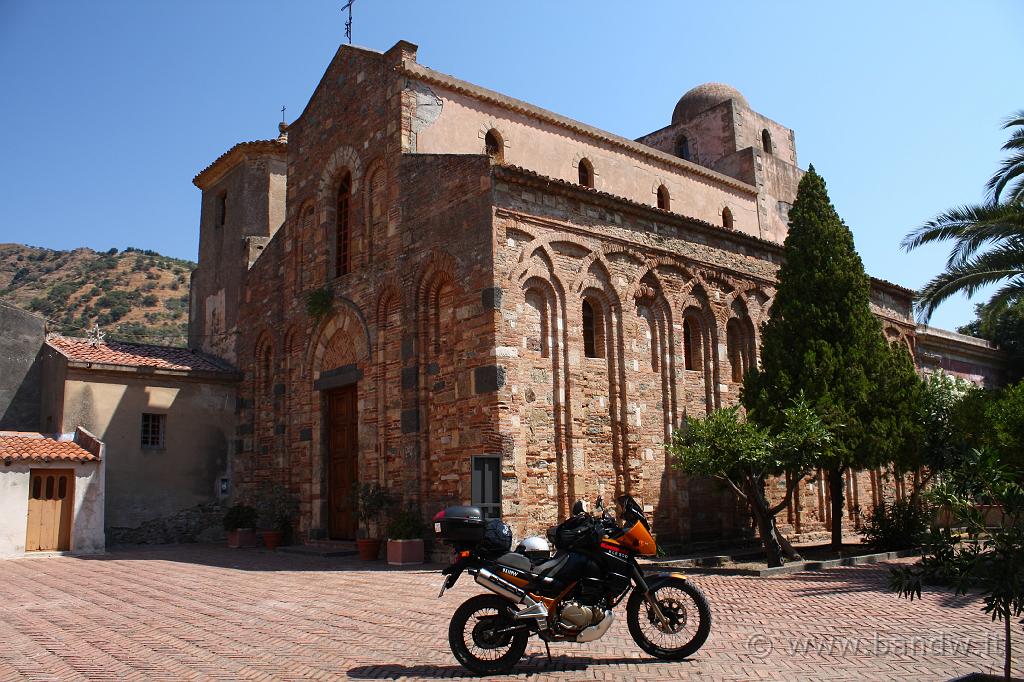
(201, 612)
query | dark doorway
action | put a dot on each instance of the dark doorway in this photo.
(342, 462)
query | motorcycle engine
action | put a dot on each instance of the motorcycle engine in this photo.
(575, 616)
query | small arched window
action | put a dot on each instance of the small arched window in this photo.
(586, 173)
(734, 349)
(343, 231)
(727, 218)
(683, 148)
(691, 344)
(663, 198)
(266, 367)
(593, 330)
(494, 147)
(766, 141)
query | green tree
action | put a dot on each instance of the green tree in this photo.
(987, 559)
(988, 238)
(823, 340)
(742, 454)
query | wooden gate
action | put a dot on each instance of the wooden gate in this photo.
(343, 461)
(51, 497)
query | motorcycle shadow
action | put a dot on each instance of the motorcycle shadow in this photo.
(532, 664)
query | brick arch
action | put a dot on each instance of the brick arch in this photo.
(546, 240)
(696, 304)
(343, 158)
(650, 292)
(741, 338)
(341, 338)
(372, 239)
(544, 284)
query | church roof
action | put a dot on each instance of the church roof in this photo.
(123, 354)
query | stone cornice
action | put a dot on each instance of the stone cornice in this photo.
(80, 368)
(529, 178)
(422, 73)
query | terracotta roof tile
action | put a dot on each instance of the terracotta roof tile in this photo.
(135, 355)
(277, 146)
(19, 445)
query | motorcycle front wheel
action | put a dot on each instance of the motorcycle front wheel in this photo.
(476, 638)
(687, 620)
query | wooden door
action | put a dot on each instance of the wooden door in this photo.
(343, 459)
(51, 497)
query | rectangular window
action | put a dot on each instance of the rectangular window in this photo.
(487, 486)
(154, 426)
(222, 209)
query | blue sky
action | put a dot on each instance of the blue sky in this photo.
(110, 107)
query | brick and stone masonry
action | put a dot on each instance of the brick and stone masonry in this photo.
(496, 280)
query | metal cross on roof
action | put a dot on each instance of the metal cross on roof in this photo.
(348, 22)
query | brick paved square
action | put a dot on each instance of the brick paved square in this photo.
(209, 613)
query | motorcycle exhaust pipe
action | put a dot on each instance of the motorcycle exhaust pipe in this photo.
(534, 610)
(500, 586)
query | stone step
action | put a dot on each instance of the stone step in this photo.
(324, 548)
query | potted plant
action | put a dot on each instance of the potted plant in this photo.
(405, 537)
(371, 501)
(240, 523)
(277, 507)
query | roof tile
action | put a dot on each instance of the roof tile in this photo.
(135, 355)
(29, 446)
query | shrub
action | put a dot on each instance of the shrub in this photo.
(240, 516)
(900, 525)
(406, 524)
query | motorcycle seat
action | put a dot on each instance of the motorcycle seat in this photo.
(551, 567)
(516, 561)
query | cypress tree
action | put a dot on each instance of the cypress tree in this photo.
(823, 339)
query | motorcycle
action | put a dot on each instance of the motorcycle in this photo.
(569, 596)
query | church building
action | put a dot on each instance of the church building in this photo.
(470, 299)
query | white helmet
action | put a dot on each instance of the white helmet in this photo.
(534, 547)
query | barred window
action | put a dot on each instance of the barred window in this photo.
(154, 426)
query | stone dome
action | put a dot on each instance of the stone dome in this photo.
(702, 98)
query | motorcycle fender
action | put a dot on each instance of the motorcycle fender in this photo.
(656, 580)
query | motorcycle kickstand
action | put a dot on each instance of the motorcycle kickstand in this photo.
(547, 647)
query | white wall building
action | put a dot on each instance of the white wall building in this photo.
(51, 493)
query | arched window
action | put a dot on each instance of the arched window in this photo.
(266, 360)
(342, 230)
(734, 349)
(766, 141)
(536, 337)
(586, 173)
(691, 344)
(663, 198)
(494, 147)
(727, 218)
(683, 148)
(593, 330)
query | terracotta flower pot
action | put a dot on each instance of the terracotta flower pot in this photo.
(242, 537)
(272, 539)
(369, 548)
(405, 552)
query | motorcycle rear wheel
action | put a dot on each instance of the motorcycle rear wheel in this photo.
(682, 603)
(472, 640)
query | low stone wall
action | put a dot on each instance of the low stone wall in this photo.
(202, 523)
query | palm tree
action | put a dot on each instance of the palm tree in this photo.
(988, 239)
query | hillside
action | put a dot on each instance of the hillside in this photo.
(133, 295)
